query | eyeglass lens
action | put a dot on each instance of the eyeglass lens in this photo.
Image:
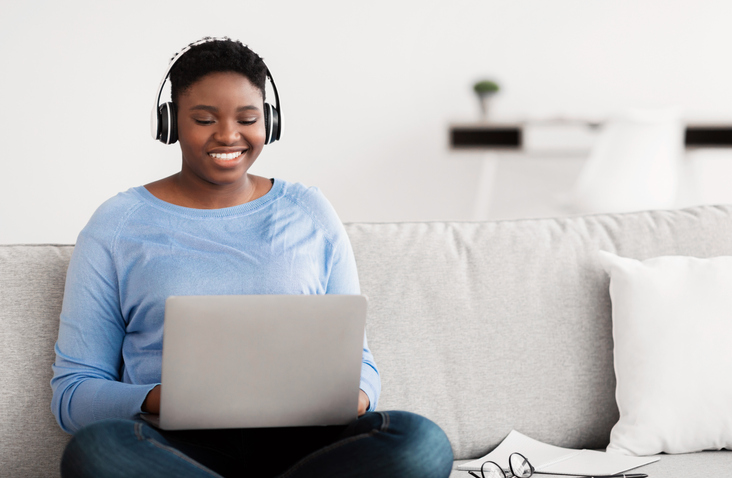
(491, 470)
(520, 466)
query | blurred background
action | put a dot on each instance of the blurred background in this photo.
(370, 93)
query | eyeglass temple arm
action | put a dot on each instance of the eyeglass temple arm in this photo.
(617, 475)
(621, 475)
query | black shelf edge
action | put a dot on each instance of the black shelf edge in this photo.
(708, 136)
(491, 137)
(511, 137)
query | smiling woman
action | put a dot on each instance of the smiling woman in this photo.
(211, 229)
(221, 133)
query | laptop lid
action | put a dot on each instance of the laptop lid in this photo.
(261, 360)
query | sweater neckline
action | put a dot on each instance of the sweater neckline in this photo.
(276, 191)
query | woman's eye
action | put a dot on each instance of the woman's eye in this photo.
(203, 122)
(247, 122)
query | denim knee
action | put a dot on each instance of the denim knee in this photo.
(90, 447)
(425, 450)
(122, 448)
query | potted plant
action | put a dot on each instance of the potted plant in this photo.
(485, 89)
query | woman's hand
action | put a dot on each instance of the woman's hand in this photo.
(152, 401)
(363, 402)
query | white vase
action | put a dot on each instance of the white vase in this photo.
(484, 100)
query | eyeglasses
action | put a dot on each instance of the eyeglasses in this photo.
(521, 468)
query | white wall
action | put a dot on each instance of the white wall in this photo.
(368, 89)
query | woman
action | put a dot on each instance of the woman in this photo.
(211, 228)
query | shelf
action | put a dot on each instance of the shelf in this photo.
(708, 136)
(494, 137)
(510, 137)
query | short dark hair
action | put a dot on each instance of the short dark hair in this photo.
(219, 55)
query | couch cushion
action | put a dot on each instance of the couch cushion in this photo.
(487, 327)
(31, 291)
(672, 325)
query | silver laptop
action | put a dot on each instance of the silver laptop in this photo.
(250, 361)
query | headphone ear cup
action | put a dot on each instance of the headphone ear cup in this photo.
(276, 126)
(267, 123)
(168, 124)
(271, 123)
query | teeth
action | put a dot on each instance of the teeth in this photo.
(225, 156)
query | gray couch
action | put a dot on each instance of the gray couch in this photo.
(482, 327)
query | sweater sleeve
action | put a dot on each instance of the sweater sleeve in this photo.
(86, 373)
(343, 279)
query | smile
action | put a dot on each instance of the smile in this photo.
(226, 156)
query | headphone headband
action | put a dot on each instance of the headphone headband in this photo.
(163, 121)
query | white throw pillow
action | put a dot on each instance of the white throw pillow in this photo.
(672, 327)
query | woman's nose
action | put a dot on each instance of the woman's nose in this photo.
(227, 132)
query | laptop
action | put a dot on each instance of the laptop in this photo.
(250, 361)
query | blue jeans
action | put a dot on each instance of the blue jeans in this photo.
(377, 444)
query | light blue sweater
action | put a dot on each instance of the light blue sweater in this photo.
(137, 250)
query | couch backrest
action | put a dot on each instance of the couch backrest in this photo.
(31, 290)
(482, 327)
(492, 326)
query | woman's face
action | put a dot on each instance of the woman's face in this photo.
(220, 128)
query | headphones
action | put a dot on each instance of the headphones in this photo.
(163, 119)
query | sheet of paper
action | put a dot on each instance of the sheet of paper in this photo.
(590, 462)
(518, 442)
(547, 458)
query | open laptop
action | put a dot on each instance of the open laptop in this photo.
(251, 361)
